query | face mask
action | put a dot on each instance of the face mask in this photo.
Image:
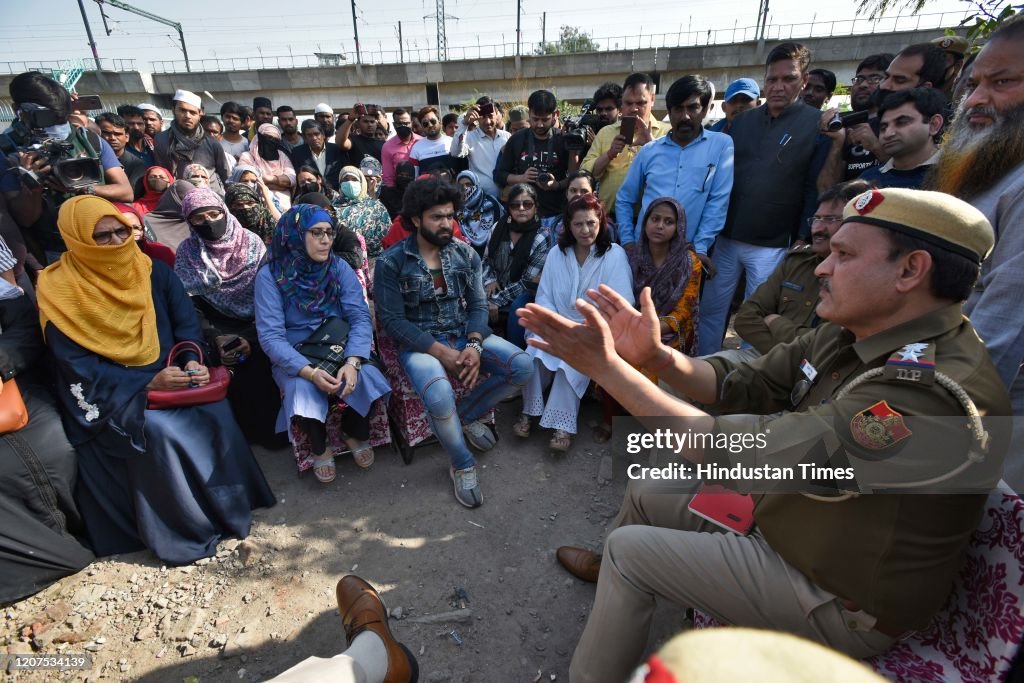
(404, 132)
(199, 181)
(58, 132)
(211, 231)
(247, 217)
(309, 186)
(251, 183)
(351, 188)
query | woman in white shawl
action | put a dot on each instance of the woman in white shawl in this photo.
(584, 258)
(268, 155)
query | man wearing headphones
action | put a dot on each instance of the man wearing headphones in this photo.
(852, 564)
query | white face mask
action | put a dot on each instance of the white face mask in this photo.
(351, 188)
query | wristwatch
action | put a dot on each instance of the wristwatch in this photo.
(356, 363)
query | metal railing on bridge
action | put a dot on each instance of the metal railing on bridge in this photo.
(56, 64)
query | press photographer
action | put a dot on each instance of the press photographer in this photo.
(46, 160)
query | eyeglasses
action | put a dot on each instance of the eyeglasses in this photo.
(321, 233)
(429, 122)
(107, 237)
(522, 205)
(827, 220)
(873, 79)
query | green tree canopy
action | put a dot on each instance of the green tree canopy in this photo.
(570, 39)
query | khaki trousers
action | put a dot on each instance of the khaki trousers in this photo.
(658, 548)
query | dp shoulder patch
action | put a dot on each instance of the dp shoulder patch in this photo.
(878, 427)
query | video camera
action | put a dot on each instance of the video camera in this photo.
(848, 119)
(574, 127)
(73, 161)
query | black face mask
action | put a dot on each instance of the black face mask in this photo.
(211, 231)
(404, 132)
(268, 148)
(309, 186)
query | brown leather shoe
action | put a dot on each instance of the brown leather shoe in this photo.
(362, 610)
(581, 563)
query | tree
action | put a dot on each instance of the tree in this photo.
(570, 39)
(983, 18)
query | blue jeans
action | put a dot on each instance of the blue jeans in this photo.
(514, 332)
(731, 258)
(509, 369)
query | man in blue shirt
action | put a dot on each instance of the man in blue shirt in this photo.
(691, 164)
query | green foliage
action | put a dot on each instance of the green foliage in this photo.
(570, 39)
(984, 16)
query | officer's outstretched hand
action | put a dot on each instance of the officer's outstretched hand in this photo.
(588, 347)
(637, 334)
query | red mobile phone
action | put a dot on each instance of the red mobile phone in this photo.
(628, 127)
(88, 103)
(486, 109)
(728, 509)
(359, 109)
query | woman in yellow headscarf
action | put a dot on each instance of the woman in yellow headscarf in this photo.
(177, 480)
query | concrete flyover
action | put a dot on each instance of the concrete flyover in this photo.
(572, 77)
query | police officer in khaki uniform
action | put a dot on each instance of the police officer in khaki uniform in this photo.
(854, 572)
(783, 307)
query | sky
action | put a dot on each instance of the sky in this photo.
(43, 30)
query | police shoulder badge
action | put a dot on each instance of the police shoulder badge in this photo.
(878, 427)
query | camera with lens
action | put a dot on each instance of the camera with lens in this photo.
(848, 120)
(574, 129)
(74, 161)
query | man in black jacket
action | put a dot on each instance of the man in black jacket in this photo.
(324, 156)
(186, 143)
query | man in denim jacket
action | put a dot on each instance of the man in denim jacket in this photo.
(430, 300)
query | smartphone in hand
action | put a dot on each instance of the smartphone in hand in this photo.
(628, 128)
(486, 109)
(359, 109)
(88, 103)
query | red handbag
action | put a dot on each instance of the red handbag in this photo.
(216, 390)
(13, 414)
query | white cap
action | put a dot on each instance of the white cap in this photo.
(188, 98)
(146, 106)
(322, 108)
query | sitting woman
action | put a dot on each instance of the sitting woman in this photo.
(479, 212)
(150, 248)
(154, 183)
(585, 258)
(267, 154)
(164, 223)
(513, 260)
(302, 285)
(348, 244)
(177, 480)
(40, 526)
(254, 208)
(218, 265)
(668, 264)
(308, 179)
(198, 175)
(581, 182)
(360, 212)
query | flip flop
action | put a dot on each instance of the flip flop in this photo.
(363, 457)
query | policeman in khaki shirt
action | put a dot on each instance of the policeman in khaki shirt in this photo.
(784, 306)
(854, 572)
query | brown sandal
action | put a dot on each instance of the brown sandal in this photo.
(363, 457)
(561, 441)
(521, 427)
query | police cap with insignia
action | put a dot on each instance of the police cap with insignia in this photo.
(935, 217)
(955, 45)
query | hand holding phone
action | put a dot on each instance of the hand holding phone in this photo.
(628, 128)
(359, 109)
(487, 109)
(87, 103)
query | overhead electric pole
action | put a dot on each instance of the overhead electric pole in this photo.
(543, 30)
(441, 18)
(148, 15)
(355, 31)
(401, 50)
(88, 32)
(519, 33)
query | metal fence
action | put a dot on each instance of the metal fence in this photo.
(688, 38)
(54, 65)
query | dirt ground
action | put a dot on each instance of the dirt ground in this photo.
(261, 606)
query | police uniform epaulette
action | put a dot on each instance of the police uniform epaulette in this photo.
(912, 363)
(799, 248)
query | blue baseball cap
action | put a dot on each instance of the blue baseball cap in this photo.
(743, 86)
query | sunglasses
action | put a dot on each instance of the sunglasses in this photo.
(527, 204)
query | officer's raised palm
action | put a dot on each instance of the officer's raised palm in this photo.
(637, 334)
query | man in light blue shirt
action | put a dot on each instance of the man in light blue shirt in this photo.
(693, 165)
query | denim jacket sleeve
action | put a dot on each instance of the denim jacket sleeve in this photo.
(355, 313)
(476, 300)
(390, 306)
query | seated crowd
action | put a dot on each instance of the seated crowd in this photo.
(230, 281)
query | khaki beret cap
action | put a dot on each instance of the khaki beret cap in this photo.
(954, 44)
(935, 217)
